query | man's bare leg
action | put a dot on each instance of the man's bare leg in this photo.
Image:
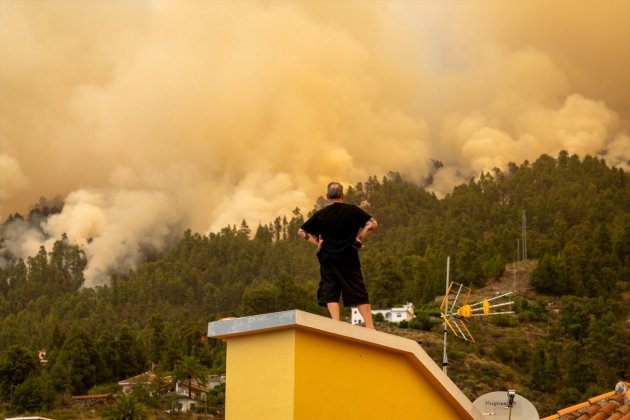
(334, 309)
(366, 312)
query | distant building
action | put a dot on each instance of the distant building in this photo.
(42, 356)
(198, 391)
(215, 380)
(142, 380)
(403, 313)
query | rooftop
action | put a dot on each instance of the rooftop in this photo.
(613, 405)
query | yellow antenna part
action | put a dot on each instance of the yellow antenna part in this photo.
(467, 296)
(486, 307)
(446, 297)
(465, 311)
(469, 336)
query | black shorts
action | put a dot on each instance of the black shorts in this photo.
(341, 280)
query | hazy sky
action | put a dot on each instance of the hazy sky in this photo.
(152, 116)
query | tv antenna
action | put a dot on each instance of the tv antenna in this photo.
(456, 311)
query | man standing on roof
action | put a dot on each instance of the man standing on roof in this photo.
(337, 230)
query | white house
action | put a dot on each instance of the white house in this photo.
(403, 313)
(197, 391)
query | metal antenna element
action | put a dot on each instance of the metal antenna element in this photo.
(456, 314)
(444, 356)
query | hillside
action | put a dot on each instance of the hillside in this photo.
(566, 342)
(505, 347)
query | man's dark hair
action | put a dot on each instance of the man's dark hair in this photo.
(334, 191)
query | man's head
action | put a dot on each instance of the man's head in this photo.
(334, 191)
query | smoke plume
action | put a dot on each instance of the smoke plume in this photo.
(153, 116)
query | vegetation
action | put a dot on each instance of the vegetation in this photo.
(127, 408)
(566, 344)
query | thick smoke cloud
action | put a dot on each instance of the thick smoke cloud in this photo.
(154, 116)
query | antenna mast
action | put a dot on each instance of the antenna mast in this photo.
(444, 356)
(518, 251)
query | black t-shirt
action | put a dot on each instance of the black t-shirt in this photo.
(338, 224)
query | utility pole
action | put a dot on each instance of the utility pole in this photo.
(524, 227)
(515, 267)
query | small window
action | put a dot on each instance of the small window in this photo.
(399, 315)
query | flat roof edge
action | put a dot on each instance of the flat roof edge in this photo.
(251, 324)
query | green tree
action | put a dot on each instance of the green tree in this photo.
(545, 277)
(291, 295)
(244, 229)
(16, 365)
(216, 396)
(580, 369)
(189, 369)
(108, 349)
(80, 358)
(132, 360)
(386, 286)
(263, 234)
(259, 299)
(36, 393)
(127, 407)
(158, 339)
(539, 360)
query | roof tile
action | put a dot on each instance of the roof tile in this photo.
(573, 408)
(613, 405)
(601, 397)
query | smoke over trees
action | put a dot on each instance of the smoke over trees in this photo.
(202, 114)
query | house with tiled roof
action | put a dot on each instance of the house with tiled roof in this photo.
(613, 405)
(197, 391)
(142, 380)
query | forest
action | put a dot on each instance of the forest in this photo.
(567, 341)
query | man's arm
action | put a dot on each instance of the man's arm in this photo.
(366, 229)
(310, 238)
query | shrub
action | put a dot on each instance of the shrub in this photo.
(502, 321)
(127, 407)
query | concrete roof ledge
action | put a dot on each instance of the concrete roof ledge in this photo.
(252, 324)
(226, 329)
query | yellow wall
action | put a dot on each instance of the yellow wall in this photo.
(260, 372)
(298, 374)
(338, 379)
(295, 365)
